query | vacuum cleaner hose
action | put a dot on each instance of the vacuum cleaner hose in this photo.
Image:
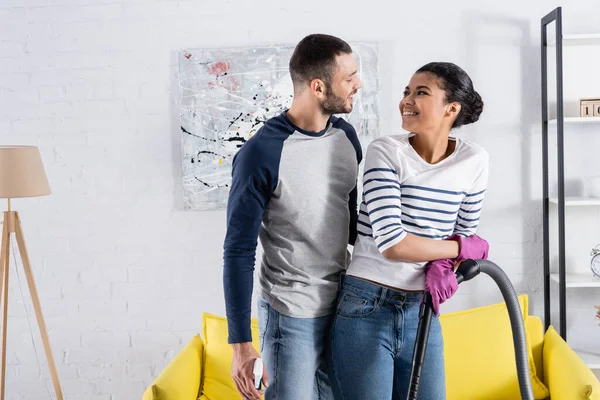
(469, 269)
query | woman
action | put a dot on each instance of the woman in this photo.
(422, 197)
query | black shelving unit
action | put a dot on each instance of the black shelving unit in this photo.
(554, 17)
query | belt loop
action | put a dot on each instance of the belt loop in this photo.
(383, 295)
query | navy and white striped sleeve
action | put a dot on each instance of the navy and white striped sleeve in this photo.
(470, 208)
(381, 195)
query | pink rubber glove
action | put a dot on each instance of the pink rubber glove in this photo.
(440, 281)
(473, 247)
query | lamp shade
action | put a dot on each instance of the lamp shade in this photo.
(22, 172)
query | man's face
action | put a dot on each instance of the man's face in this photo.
(339, 94)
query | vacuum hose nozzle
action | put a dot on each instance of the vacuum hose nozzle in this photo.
(467, 270)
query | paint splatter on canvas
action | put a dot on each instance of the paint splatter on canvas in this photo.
(228, 94)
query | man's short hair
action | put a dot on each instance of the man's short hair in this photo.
(315, 58)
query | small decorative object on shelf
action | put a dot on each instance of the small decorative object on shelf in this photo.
(589, 107)
(595, 262)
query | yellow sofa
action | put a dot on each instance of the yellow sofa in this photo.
(479, 361)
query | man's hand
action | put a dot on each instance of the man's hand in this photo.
(241, 371)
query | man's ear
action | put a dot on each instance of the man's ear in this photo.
(318, 88)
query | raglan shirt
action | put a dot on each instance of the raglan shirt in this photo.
(402, 194)
(296, 191)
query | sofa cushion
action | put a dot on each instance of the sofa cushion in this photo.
(180, 380)
(218, 355)
(567, 375)
(479, 354)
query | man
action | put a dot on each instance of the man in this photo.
(294, 186)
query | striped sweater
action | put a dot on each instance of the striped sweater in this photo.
(402, 194)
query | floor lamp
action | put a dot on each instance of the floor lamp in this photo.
(22, 174)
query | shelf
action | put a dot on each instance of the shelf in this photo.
(591, 359)
(579, 280)
(592, 39)
(573, 45)
(577, 120)
(578, 201)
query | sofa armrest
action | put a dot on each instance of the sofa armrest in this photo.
(565, 374)
(535, 335)
(181, 379)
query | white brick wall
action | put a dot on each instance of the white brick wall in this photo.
(123, 273)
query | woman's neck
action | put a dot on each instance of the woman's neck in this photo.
(432, 148)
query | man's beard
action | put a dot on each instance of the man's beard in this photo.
(334, 104)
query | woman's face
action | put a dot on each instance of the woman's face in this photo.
(424, 106)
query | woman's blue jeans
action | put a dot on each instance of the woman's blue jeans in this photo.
(372, 342)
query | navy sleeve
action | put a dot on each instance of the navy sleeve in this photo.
(254, 178)
(353, 206)
(353, 200)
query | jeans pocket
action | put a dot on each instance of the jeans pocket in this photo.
(263, 322)
(354, 306)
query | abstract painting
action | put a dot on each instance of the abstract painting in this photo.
(226, 97)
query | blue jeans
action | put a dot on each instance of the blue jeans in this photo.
(372, 344)
(293, 350)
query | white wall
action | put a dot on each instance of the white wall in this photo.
(123, 272)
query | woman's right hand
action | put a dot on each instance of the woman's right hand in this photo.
(472, 247)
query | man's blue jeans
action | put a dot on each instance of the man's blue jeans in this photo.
(293, 350)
